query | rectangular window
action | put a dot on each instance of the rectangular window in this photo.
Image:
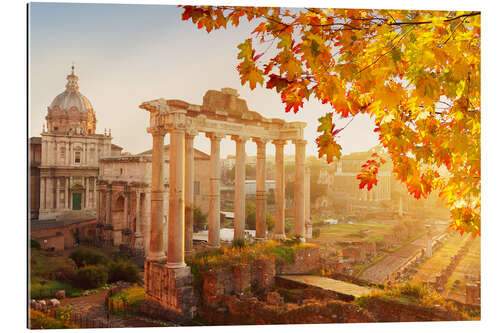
(77, 157)
(196, 188)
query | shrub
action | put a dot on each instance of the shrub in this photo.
(89, 277)
(239, 243)
(295, 240)
(200, 220)
(83, 257)
(122, 270)
(39, 320)
(35, 244)
(316, 232)
(42, 288)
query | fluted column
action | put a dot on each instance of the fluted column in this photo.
(299, 191)
(308, 196)
(156, 247)
(279, 193)
(175, 253)
(260, 209)
(214, 196)
(42, 192)
(66, 193)
(147, 221)
(50, 193)
(189, 194)
(57, 182)
(68, 189)
(239, 187)
(126, 218)
(138, 219)
(98, 206)
(94, 202)
(87, 191)
(109, 198)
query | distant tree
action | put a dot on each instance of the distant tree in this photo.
(200, 220)
(250, 171)
(250, 209)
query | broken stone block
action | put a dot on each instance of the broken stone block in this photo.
(60, 294)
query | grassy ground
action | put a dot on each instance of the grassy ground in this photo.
(127, 300)
(469, 265)
(441, 258)
(42, 266)
(359, 231)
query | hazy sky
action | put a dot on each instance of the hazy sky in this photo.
(127, 54)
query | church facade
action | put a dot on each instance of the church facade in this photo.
(70, 153)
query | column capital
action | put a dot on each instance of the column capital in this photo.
(260, 141)
(279, 142)
(240, 138)
(299, 142)
(191, 134)
(157, 131)
(214, 136)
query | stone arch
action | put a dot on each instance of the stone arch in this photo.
(119, 203)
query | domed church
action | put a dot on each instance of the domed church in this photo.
(69, 156)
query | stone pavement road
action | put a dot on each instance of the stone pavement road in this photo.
(338, 286)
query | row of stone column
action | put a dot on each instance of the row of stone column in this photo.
(50, 193)
(181, 197)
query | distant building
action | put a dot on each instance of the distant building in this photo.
(124, 187)
(64, 169)
(346, 185)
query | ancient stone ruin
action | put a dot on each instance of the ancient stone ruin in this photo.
(223, 113)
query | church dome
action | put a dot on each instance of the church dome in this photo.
(71, 112)
(68, 99)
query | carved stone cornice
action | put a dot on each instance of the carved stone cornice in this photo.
(240, 138)
(279, 142)
(157, 131)
(260, 141)
(213, 136)
(299, 142)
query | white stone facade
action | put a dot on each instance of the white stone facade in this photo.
(70, 155)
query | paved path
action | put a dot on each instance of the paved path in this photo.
(340, 287)
(379, 272)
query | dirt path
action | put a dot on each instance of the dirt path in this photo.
(93, 306)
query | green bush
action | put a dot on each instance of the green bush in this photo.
(43, 288)
(239, 243)
(122, 270)
(200, 220)
(35, 245)
(83, 257)
(90, 277)
(295, 240)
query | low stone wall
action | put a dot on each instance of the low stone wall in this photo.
(258, 277)
(169, 292)
(236, 311)
(305, 261)
(393, 311)
(308, 292)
